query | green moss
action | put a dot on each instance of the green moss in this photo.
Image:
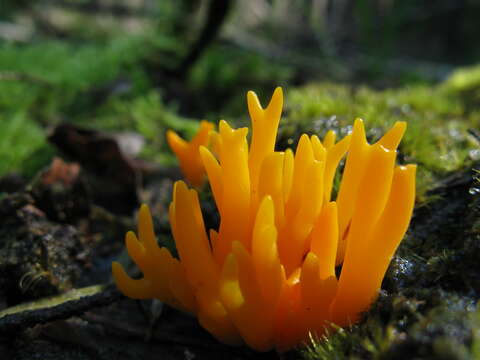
(23, 147)
(447, 331)
(464, 79)
(77, 66)
(44, 83)
(50, 78)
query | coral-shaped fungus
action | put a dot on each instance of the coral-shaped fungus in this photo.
(267, 276)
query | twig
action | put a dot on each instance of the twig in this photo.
(15, 319)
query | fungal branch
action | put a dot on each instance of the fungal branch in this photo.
(187, 152)
(266, 277)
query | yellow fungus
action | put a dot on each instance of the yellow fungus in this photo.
(267, 277)
(188, 152)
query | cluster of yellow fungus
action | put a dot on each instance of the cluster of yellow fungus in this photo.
(267, 276)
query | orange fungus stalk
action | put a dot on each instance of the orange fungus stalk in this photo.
(266, 277)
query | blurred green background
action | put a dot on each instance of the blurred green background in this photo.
(144, 66)
(148, 65)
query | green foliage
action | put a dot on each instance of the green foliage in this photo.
(465, 82)
(328, 347)
(49, 78)
(371, 340)
(23, 146)
(42, 83)
(464, 79)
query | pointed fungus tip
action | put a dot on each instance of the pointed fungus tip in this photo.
(115, 266)
(223, 126)
(144, 210)
(130, 235)
(277, 95)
